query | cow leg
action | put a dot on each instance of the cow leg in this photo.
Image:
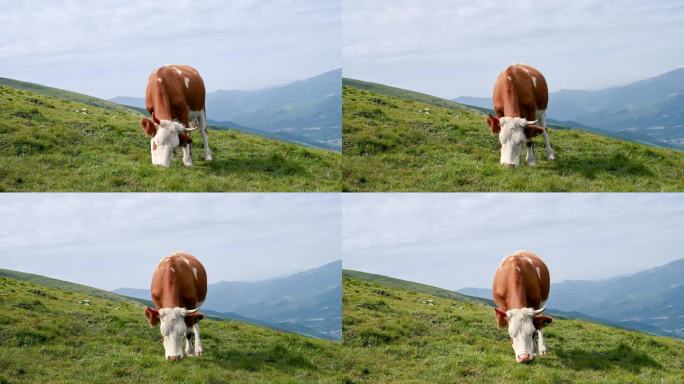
(190, 344)
(540, 339)
(547, 143)
(187, 156)
(530, 153)
(198, 342)
(205, 137)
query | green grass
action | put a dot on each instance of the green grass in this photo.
(398, 140)
(53, 144)
(62, 336)
(395, 335)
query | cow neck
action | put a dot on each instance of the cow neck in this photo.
(511, 106)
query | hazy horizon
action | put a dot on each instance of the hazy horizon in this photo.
(460, 50)
(115, 240)
(109, 48)
(457, 240)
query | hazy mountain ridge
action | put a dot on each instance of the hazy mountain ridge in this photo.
(653, 107)
(649, 300)
(309, 299)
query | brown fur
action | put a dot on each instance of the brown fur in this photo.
(177, 287)
(516, 285)
(519, 97)
(169, 99)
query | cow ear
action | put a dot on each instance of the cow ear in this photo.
(541, 321)
(532, 130)
(500, 317)
(152, 316)
(148, 126)
(193, 318)
(493, 123)
(184, 138)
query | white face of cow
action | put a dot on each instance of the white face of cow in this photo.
(521, 330)
(512, 138)
(164, 142)
(174, 329)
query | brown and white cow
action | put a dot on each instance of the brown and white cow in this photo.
(175, 97)
(520, 290)
(520, 101)
(179, 287)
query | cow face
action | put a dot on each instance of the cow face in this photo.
(165, 137)
(513, 134)
(523, 325)
(175, 324)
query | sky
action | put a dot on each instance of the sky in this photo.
(107, 48)
(451, 48)
(115, 240)
(457, 240)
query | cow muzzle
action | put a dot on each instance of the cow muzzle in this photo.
(174, 358)
(524, 358)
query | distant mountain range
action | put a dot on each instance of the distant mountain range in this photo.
(652, 300)
(308, 302)
(306, 111)
(649, 111)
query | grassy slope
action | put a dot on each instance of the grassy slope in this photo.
(398, 140)
(48, 336)
(52, 144)
(396, 335)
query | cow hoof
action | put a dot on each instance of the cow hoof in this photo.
(531, 163)
(543, 352)
(552, 157)
(208, 157)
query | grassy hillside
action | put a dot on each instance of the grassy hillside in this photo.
(54, 144)
(395, 335)
(398, 140)
(61, 336)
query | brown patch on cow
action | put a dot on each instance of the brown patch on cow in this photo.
(541, 321)
(184, 138)
(148, 126)
(193, 318)
(516, 283)
(500, 317)
(533, 130)
(152, 316)
(180, 289)
(493, 123)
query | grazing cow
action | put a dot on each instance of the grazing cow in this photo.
(179, 287)
(520, 101)
(520, 290)
(175, 97)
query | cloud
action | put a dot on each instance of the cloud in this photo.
(457, 240)
(108, 48)
(453, 48)
(114, 240)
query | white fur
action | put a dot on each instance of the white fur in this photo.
(166, 140)
(201, 119)
(173, 329)
(509, 78)
(534, 81)
(541, 117)
(194, 271)
(521, 330)
(178, 71)
(187, 82)
(159, 79)
(512, 138)
(539, 274)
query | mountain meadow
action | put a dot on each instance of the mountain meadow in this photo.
(55, 140)
(403, 141)
(396, 331)
(59, 332)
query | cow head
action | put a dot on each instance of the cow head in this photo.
(513, 134)
(175, 323)
(523, 324)
(165, 137)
